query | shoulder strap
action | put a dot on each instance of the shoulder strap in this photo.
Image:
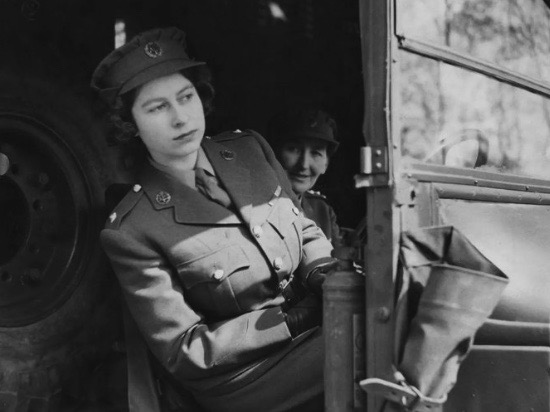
(128, 202)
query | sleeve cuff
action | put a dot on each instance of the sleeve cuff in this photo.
(305, 270)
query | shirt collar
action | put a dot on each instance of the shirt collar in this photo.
(186, 177)
(204, 163)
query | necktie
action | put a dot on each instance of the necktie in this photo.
(209, 187)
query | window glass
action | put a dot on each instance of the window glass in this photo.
(514, 34)
(455, 117)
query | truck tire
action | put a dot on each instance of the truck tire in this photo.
(59, 318)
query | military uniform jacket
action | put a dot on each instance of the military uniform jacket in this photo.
(317, 209)
(202, 282)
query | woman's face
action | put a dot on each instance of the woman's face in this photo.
(170, 119)
(304, 161)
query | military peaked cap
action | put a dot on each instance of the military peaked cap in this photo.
(304, 122)
(149, 55)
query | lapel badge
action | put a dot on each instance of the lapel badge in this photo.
(153, 50)
(228, 154)
(163, 197)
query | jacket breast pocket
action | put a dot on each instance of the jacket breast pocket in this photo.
(285, 220)
(207, 281)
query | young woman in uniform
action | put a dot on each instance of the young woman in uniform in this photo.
(204, 246)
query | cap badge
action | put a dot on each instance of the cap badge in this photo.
(228, 154)
(153, 50)
(163, 197)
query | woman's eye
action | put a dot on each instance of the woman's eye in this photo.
(186, 97)
(158, 107)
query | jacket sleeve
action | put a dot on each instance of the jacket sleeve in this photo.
(178, 336)
(316, 248)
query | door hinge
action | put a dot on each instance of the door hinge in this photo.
(373, 167)
(374, 160)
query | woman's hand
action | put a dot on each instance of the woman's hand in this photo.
(301, 319)
(315, 279)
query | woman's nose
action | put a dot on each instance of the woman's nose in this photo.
(179, 117)
(305, 160)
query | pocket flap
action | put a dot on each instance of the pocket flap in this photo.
(284, 213)
(213, 267)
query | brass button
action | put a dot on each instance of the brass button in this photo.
(278, 263)
(218, 274)
(257, 231)
(112, 217)
(136, 188)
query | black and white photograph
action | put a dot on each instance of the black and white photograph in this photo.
(274, 205)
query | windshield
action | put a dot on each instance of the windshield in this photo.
(514, 34)
(453, 116)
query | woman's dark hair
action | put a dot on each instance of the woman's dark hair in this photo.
(121, 111)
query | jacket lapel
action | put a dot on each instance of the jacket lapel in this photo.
(234, 176)
(190, 206)
(246, 180)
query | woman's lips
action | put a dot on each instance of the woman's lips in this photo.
(300, 177)
(184, 135)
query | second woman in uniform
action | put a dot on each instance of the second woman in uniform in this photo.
(304, 139)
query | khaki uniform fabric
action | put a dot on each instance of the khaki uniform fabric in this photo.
(202, 282)
(317, 209)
